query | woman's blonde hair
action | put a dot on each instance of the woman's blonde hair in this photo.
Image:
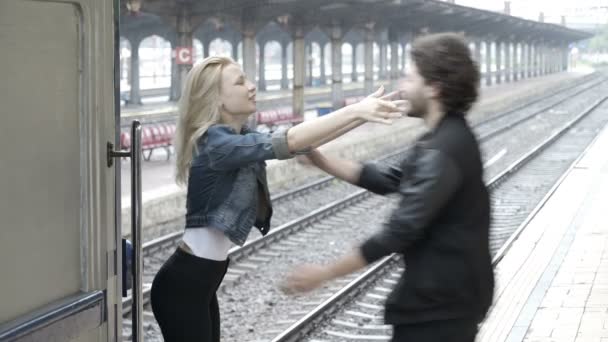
(198, 109)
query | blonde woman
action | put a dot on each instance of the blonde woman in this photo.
(222, 163)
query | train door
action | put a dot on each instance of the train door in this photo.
(60, 246)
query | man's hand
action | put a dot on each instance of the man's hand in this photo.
(305, 278)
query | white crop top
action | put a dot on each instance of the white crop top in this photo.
(208, 243)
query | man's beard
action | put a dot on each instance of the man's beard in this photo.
(418, 108)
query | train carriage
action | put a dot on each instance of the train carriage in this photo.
(60, 248)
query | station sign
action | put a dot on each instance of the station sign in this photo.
(184, 55)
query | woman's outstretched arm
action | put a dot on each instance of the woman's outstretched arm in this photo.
(313, 133)
(353, 124)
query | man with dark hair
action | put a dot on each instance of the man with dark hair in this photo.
(441, 225)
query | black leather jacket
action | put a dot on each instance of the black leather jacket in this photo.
(441, 226)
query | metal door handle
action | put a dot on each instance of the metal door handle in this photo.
(137, 261)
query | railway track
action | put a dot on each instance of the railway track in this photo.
(281, 240)
(327, 189)
(299, 201)
(337, 195)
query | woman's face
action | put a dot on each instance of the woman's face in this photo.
(237, 93)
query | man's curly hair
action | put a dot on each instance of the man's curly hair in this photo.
(444, 60)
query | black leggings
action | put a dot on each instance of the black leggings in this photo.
(453, 330)
(183, 298)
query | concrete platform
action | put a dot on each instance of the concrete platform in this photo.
(552, 285)
(164, 201)
(262, 96)
(286, 94)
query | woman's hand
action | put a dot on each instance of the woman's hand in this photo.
(379, 108)
(305, 278)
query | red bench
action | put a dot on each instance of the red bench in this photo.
(153, 136)
(279, 116)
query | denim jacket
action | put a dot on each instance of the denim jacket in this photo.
(227, 186)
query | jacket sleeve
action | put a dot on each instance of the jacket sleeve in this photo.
(228, 151)
(435, 178)
(380, 179)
